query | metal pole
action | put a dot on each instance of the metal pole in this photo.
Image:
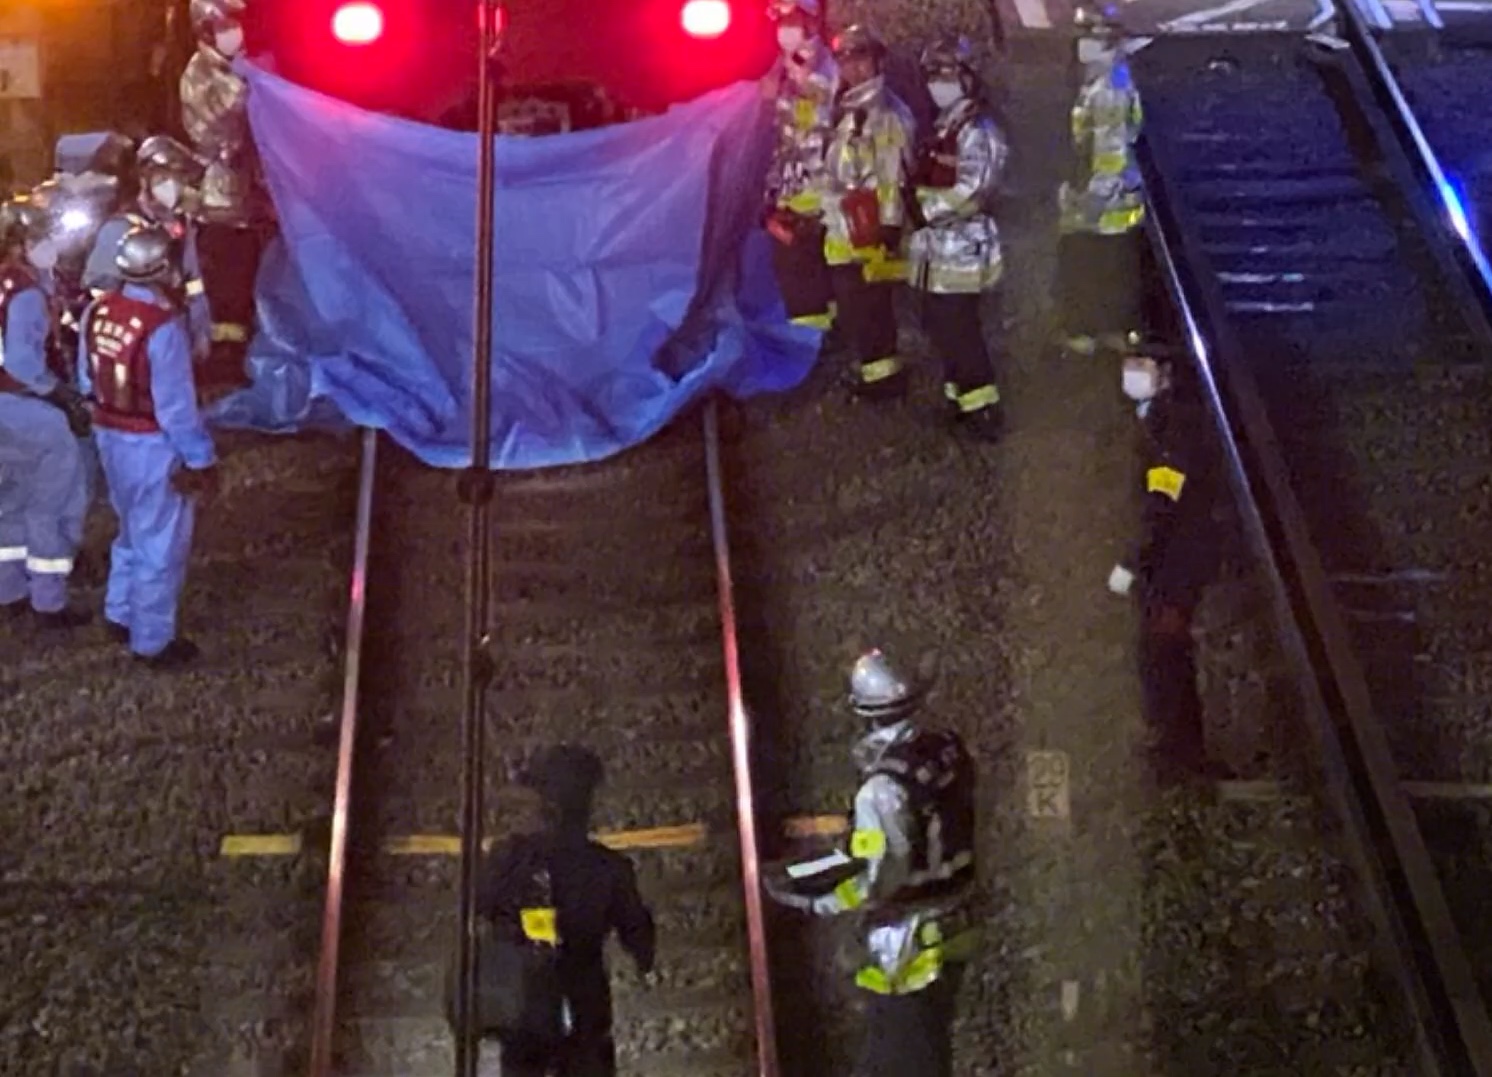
(476, 491)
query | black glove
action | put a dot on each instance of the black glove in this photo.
(71, 403)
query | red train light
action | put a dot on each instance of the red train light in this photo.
(705, 18)
(358, 24)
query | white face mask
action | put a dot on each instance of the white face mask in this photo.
(1139, 384)
(167, 193)
(230, 41)
(945, 93)
(42, 254)
(790, 39)
(1092, 51)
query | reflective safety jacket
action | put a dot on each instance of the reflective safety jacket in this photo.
(871, 150)
(804, 120)
(1107, 197)
(116, 335)
(956, 177)
(1182, 474)
(213, 111)
(914, 837)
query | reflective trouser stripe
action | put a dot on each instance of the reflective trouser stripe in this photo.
(974, 399)
(815, 321)
(923, 969)
(230, 333)
(880, 369)
(806, 203)
(9, 554)
(849, 895)
(882, 270)
(49, 566)
(1115, 221)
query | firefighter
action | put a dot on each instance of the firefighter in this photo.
(869, 160)
(1102, 250)
(913, 853)
(168, 174)
(135, 360)
(44, 495)
(802, 85)
(213, 109)
(955, 254)
(1177, 558)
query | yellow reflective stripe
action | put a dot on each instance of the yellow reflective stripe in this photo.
(806, 202)
(1165, 480)
(815, 321)
(888, 193)
(882, 270)
(539, 925)
(229, 332)
(977, 399)
(838, 251)
(868, 844)
(950, 391)
(880, 369)
(804, 114)
(1111, 163)
(848, 893)
(920, 971)
(889, 138)
(873, 979)
(1121, 220)
(194, 288)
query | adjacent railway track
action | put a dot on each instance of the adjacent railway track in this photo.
(1343, 341)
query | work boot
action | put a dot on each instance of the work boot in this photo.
(63, 620)
(118, 633)
(178, 654)
(986, 424)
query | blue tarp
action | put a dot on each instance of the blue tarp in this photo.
(631, 277)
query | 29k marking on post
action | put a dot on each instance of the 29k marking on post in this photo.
(1047, 787)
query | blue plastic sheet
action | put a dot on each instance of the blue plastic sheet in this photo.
(631, 277)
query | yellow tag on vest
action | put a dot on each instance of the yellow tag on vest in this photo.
(804, 113)
(539, 925)
(867, 844)
(1165, 480)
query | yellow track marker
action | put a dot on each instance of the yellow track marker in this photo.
(260, 845)
(686, 836)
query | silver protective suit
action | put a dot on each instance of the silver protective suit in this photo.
(213, 100)
(1106, 121)
(804, 118)
(871, 150)
(959, 249)
(904, 941)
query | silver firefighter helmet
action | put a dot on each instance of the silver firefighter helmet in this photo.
(163, 154)
(948, 55)
(147, 255)
(781, 9)
(882, 692)
(858, 40)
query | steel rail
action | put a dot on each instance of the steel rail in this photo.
(476, 490)
(324, 1017)
(1471, 257)
(1425, 950)
(741, 752)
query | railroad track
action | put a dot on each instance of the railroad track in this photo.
(607, 633)
(1348, 347)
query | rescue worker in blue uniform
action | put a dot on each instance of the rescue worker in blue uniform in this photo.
(135, 361)
(802, 84)
(167, 174)
(869, 160)
(956, 261)
(1102, 253)
(912, 851)
(1177, 558)
(43, 492)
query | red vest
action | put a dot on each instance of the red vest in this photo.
(14, 280)
(118, 333)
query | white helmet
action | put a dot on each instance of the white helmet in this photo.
(880, 692)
